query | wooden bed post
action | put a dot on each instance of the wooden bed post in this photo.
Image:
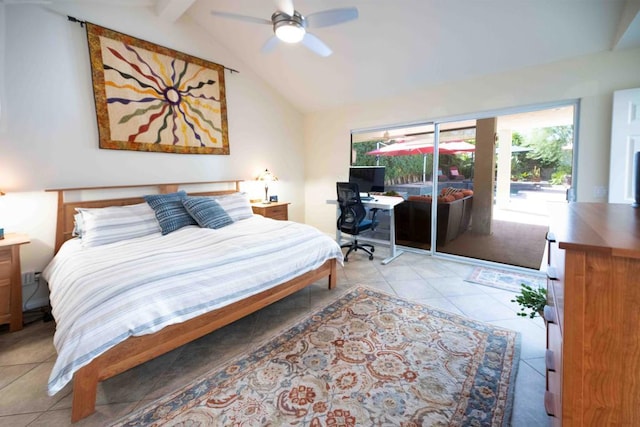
(332, 274)
(85, 389)
(60, 221)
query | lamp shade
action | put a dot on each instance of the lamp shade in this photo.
(267, 176)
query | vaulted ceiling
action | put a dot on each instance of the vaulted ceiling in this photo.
(399, 46)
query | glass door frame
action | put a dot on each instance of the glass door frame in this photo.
(436, 123)
(571, 192)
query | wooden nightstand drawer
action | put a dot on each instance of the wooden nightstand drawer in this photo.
(276, 210)
(5, 269)
(279, 212)
(5, 254)
(5, 296)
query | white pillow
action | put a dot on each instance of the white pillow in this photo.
(78, 227)
(236, 205)
(114, 223)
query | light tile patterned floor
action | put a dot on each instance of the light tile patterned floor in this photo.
(26, 357)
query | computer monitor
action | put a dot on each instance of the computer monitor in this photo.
(369, 178)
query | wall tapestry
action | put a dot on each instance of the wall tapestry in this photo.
(152, 98)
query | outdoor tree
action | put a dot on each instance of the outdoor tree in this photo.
(547, 144)
(547, 154)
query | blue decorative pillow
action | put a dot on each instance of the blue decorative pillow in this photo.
(207, 212)
(169, 211)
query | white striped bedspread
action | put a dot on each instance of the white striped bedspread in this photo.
(103, 295)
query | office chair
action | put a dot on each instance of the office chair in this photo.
(353, 217)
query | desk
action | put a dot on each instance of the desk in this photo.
(386, 203)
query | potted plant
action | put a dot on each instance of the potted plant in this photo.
(531, 301)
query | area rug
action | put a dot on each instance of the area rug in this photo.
(366, 359)
(504, 279)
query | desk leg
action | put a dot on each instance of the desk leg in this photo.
(392, 239)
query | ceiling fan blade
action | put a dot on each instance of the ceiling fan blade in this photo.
(316, 45)
(270, 44)
(242, 18)
(285, 6)
(331, 17)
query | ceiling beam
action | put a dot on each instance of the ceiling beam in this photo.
(628, 33)
(172, 10)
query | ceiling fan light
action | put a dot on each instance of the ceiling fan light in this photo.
(289, 32)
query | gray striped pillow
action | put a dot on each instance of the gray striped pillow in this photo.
(207, 212)
(170, 212)
(101, 226)
(236, 205)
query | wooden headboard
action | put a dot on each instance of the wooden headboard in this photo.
(100, 198)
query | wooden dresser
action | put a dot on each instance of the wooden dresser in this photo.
(593, 315)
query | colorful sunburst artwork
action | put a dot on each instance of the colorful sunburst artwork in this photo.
(152, 98)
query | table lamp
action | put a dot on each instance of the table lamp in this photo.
(267, 177)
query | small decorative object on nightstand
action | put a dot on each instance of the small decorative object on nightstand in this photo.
(274, 210)
(10, 281)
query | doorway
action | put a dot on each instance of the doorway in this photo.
(498, 173)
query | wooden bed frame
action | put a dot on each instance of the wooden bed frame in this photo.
(137, 350)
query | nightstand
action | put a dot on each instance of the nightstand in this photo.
(274, 210)
(10, 280)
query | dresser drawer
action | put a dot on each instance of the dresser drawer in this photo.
(553, 355)
(555, 282)
(553, 398)
(551, 238)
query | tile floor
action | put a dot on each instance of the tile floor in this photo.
(26, 357)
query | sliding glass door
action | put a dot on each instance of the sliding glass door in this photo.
(522, 162)
(494, 178)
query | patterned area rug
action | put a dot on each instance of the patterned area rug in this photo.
(504, 279)
(366, 359)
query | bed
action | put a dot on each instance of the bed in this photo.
(190, 282)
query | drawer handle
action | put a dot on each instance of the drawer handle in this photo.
(549, 404)
(549, 314)
(549, 361)
(551, 273)
(550, 237)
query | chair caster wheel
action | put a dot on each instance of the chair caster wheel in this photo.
(370, 257)
(373, 249)
(346, 259)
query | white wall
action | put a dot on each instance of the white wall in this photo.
(591, 79)
(50, 140)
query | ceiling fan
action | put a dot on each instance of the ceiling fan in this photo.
(290, 26)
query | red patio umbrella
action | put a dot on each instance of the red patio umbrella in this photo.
(423, 147)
